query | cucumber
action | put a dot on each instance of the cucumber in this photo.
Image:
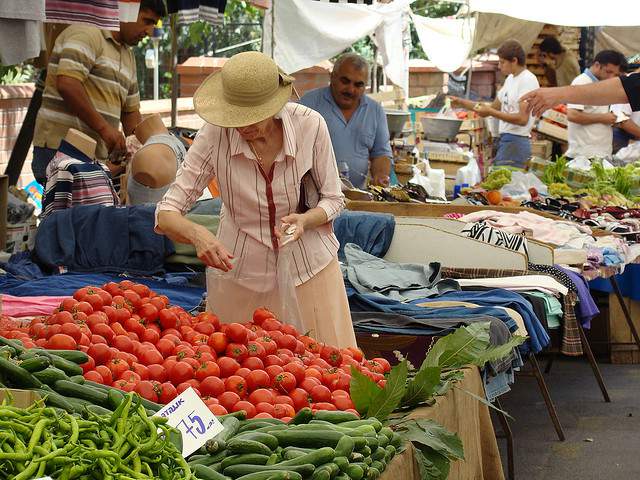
(368, 421)
(245, 459)
(208, 460)
(83, 392)
(265, 438)
(355, 472)
(373, 473)
(387, 432)
(342, 476)
(383, 441)
(335, 416)
(305, 415)
(98, 410)
(321, 474)
(269, 429)
(53, 399)
(35, 364)
(272, 475)
(253, 426)
(237, 446)
(331, 467)
(317, 457)
(75, 356)
(18, 376)
(345, 446)
(7, 351)
(218, 443)
(49, 376)
(356, 457)
(236, 471)
(396, 440)
(308, 438)
(206, 473)
(342, 462)
(293, 453)
(372, 443)
(114, 396)
(273, 459)
(390, 453)
(366, 451)
(66, 366)
(79, 379)
(15, 344)
(378, 454)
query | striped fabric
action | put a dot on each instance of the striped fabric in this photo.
(189, 11)
(254, 201)
(485, 233)
(103, 14)
(107, 71)
(73, 179)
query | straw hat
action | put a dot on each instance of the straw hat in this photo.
(248, 89)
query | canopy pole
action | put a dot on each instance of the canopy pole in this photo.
(467, 92)
(273, 29)
(174, 73)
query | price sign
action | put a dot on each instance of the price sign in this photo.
(189, 414)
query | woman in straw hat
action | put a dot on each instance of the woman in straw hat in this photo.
(278, 180)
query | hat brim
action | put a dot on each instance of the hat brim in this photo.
(212, 107)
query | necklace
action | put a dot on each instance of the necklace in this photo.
(255, 153)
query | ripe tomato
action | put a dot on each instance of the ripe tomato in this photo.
(157, 372)
(248, 407)
(123, 343)
(130, 376)
(274, 360)
(100, 352)
(146, 389)
(252, 363)
(84, 307)
(182, 387)
(167, 393)
(285, 399)
(212, 386)
(107, 375)
(382, 362)
(273, 370)
(141, 289)
(331, 355)
(269, 345)
(261, 314)
(141, 370)
(287, 341)
(72, 330)
(237, 333)
(228, 400)
(263, 407)
(323, 406)
(181, 372)
(132, 298)
(282, 410)
(271, 324)
(149, 335)
(284, 382)
(338, 393)
(61, 341)
(228, 366)
(148, 313)
(320, 393)
(149, 356)
(300, 398)
(255, 349)
(218, 410)
(262, 395)
(236, 351)
(166, 347)
(112, 288)
(343, 403)
(206, 328)
(88, 365)
(258, 379)
(297, 370)
(218, 342)
(94, 376)
(310, 344)
(237, 384)
(207, 369)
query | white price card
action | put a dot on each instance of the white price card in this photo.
(44, 478)
(189, 414)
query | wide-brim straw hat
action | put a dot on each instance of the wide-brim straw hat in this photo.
(248, 89)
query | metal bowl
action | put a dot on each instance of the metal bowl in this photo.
(440, 129)
(396, 120)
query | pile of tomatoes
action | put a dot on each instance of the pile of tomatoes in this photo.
(137, 341)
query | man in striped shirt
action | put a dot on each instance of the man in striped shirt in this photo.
(92, 86)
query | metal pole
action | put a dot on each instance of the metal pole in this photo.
(273, 29)
(468, 89)
(156, 68)
(174, 73)
(374, 70)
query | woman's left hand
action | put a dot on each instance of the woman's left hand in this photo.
(296, 220)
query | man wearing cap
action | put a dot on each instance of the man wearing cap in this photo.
(357, 123)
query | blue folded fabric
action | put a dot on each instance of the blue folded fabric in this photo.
(372, 232)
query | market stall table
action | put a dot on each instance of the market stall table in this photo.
(458, 412)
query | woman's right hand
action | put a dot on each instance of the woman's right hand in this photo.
(211, 251)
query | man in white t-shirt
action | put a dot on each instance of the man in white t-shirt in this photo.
(625, 130)
(514, 147)
(590, 127)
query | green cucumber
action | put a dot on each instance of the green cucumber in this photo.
(345, 446)
(209, 460)
(317, 457)
(373, 473)
(219, 442)
(49, 376)
(366, 451)
(79, 379)
(396, 440)
(265, 438)
(355, 472)
(114, 397)
(53, 399)
(387, 432)
(321, 474)
(380, 466)
(293, 453)
(335, 416)
(236, 471)
(305, 415)
(245, 459)
(98, 410)
(378, 454)
(272, 475)
(268, 429)
(18, 376)
(342, 462)
(298, 437)
(35, 364)
(331, 467)
(356, 457)
(368, 421)
(65, 365)
(390, 452)
(383, 441)
(341, 476)
(372, 443)
(15, 344)
(83, 392)
(237, 446)
(203, 472)
(253, 426)
(75, 356)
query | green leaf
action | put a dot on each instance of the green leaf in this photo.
(389, 398)
(441, 439)
(447, 381)
(433, 466)
(485, 401)
(498, 352)
(422, 387)
(362, 390)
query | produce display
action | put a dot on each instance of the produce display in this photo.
(136, 341)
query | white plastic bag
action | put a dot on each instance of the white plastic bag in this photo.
(255, 282)
(469, 174)
(628, 154)
(431, 179)
(521, 182)
(583, 164)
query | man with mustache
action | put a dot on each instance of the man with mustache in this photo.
(357, 124)
(92, 86)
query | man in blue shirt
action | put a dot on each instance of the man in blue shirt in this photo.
(357, 124)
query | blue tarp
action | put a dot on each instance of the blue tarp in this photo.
(629, 282)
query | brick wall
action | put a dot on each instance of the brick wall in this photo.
(14, 102)
(426, 79)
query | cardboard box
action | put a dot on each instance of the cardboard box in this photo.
(541, 149)
(4, 201)
(556, 116)
(21, 236)
(21, 398)
(552, 130)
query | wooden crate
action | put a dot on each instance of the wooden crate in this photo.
(623, 348)
(552, 130)
(556, 116)
(541, 149)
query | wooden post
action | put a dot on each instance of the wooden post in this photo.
(174, 70)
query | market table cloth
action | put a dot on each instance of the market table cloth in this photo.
(458, 412)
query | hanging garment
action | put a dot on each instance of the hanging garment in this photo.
(103, 14)
(20, 30)
(189, 11)
(74, 179)
(128, 10)
(494, 236)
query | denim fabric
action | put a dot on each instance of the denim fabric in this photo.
(41, 158)
(513, 151)
(372, 232)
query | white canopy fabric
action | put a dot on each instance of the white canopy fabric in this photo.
(447, 42)
(623, 39)
(572, 13)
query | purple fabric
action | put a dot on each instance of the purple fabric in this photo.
(586, 308)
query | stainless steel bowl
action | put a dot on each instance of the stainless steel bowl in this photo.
(396, 120)
(440, 129)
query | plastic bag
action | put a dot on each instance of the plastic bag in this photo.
(469, 174)
(255, 281)
(18, 210)
(520, 184)
(583, 164)
(628, 154)
(431, 179)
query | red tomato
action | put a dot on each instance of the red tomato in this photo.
(68, 305)
(107, 375)
(228, 366)
(83, 307)
(284, 382)
(104, 331)
(210, 318)
(94, 376)
(72, 330)
(141, 289)
(271, 324)
(205, 328)
(330, 378)
(248, 407)
(100, 352)
(237, 333)
(262, 395)
(130, 376)
(282, 410)
(297, 370)
(243, 372)
(287, 341)
(323, 406)
(263, 407)
(320, 393)
(166, 347)
(168, 319)
(218, 410)
(253, 363)
(382, 362)
(88, 365)
(338, 393)
(255, 349)
(228, 400)
(123, 343)
(269, 345)
(181, 372)
(237, 384)
(274, 360)
(258, 379)
(212, 386)
(343, 403)
(149, 356)
(207, 369)
(141, 370)
(218, 342)
(310, 344)
(273, 371)
(237, 351)
(300, 398)
(148, 313)
(150, 335)
(146, 389)
(184, 350)
(167, 393)
(61, 341)
(261, 314)
(157, 372)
